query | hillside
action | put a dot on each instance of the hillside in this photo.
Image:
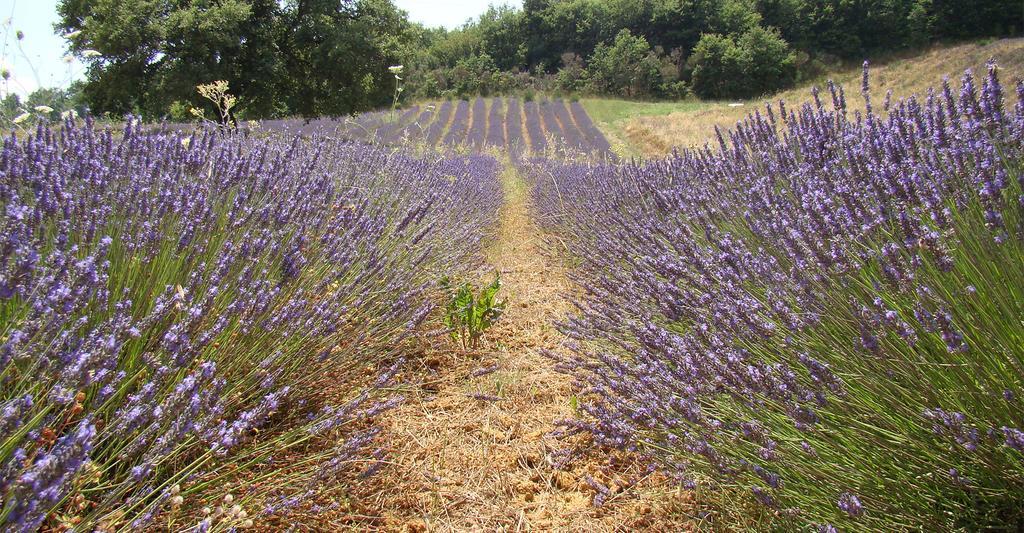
(639, 128)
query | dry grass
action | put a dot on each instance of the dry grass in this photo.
(656, 135)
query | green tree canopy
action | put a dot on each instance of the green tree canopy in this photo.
(627, 67)
(306, 57)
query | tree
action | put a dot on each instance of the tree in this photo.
(501, 37)
(153, 52)
(627, 67)
(767, 61)
(572, 76)
(717, 65)
(337, 55)
(309, 57)
(474, 75)
(757, 62)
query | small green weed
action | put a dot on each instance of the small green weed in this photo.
(469, 312)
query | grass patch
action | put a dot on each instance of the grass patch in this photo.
(613, 117)
(652, 129)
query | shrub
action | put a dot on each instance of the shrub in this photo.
(717, 67)
(756, 63)
(768, 62)
(626, 67)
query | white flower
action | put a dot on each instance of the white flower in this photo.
(22, 118)
(73, 34)
(70, 113)
(396, 69)
(91, 53)
(43, 109)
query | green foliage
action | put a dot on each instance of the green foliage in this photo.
(330, 57)
(757, 62)
(179, 111)
(627, 67)
(501, 37)
(572, 76)
(470, 312)
(313, 57)
(717, 64)
(47, 103)
(476, 74)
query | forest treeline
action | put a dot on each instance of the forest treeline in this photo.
(331, 57)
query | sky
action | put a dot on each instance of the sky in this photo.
(450, 13)
(40, 59)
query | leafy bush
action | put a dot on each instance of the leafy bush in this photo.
(824, 313)
(626, 67)
(474, 75)
(470, 312)
(757, 62)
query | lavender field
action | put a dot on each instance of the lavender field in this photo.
(179, 310)
(551, 127)
(816, 321)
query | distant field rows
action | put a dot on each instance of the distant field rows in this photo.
(523, 128)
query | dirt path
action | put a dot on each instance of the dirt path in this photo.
(462, 463)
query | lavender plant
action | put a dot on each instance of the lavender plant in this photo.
(573, 136)
(395, 130)
(534, 127)
(514, 127)
(460, 122)
(496, 124)
(823, 311)
(437, 127)
(477, 134)
(594, 138)
(178, 312)
(551, 124)
(417, 129)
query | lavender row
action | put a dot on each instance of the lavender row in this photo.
(551, 125)
(484, 123)
(477, 135)
(594, 138)
(460, 122)
(573, 137)
(178, 310)
(391, 131)
(534, 128)
(437, 127)
(514, 127)
(417, 129)
(496, 124)
(822, 312)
